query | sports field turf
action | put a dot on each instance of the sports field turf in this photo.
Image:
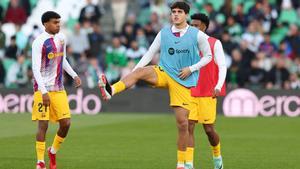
(147, 141)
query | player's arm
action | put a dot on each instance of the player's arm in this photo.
(36, 65)
(67, 67)
(154, 48)
(36, 69)
(203, 46)
(220, 61)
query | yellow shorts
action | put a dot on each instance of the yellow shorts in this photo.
(58, 109)
(179, 95)
(205, 111)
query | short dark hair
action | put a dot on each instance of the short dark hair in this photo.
(47, 16)
(181, 5)
(201, 17)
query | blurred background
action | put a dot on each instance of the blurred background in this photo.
(260, 38)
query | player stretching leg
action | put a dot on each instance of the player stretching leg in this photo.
(178, 67)
(210, 85)
(50, 98)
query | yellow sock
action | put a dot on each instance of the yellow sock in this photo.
(40, 150)
(180, 156)
(216, 150)
(118, 87)
(57, 142)
(189, 155)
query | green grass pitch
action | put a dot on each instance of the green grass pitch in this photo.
(148, 141)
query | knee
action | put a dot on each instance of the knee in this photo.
(65, 125)
(209, 131)
(182, 124)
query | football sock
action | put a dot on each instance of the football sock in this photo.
(118, 87)
(180, 158)
(189, 156)
(216, 150)
(56, 144)
(40, 150)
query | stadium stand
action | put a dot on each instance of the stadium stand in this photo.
(239, 24)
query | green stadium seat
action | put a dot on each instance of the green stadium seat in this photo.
(248, 5)
(278, 34)
(216, 4)
(289, 16)
(4, 3)
(7, 63)
(144, 16)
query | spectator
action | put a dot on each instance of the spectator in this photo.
(233, 28)
(150, 33)
(293, 40)
(90, 13)
(135, 52)
(141, 38)
(93, 73)
(253, 36)
(79, 42)
(278, 76)
(82, 69)
(270, 17)
(12, 49)
(212, 14)
(264, 62)
(284, 50)
(295, 66)
(2, 41)
(161, 9)
(228, 44)
(15, 13)
(27, 6)
(294, 81)
(96, 40)
(115, 60)
(226, 9)
(131, 20)
(17, 73)
(155, 22)
(1, 13)
(256, 12)
(257, 75)
(128, 35)
(21, 38)
(247, 54)
(240, 17)
(34, 33)
(237, 74)
(267, 46)
(2, 73)
(119, 8)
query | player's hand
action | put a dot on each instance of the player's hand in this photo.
(184, 73)
(46, 99)
(216, 93)
(77, 81)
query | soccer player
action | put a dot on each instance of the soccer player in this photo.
(210, 85)
(50, 98)
(178, 67)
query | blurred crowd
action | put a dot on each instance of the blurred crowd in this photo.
(260, 40)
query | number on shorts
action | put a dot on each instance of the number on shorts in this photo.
(40, 105)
